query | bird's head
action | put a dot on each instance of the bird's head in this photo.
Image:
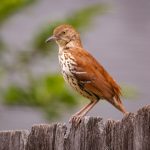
(65, 34)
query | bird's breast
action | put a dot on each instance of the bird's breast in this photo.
(67, 63)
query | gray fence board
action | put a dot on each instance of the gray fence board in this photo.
(131, 133)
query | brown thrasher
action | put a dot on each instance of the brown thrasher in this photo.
(83, 73)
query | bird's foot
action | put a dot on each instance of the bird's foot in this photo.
(76, 119)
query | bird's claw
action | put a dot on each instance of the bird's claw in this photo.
(76, 119)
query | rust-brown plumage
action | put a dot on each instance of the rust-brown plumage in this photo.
(83, 72)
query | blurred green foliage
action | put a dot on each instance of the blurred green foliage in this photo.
(8, 7)
(129, 92)
(1, 45)
(81, 20)
(49, 92)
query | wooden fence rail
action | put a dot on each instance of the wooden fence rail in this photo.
(131, 133)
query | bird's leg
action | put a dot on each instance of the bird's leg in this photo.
(79, 115)
(80, 111)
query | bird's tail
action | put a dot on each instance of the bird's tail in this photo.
(118, 104)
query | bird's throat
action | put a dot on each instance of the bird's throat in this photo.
(71, 44)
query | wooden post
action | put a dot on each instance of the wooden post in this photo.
(131, 133)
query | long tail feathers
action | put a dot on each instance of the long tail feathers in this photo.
(118, 104)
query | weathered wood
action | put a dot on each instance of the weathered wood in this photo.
(131, 133)
(119, 135)
(86, 136)
(13, 140)
(142, 129)
(46, 137)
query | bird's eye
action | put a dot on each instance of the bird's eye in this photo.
(63, 32)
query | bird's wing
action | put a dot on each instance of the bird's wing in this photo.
(94, 77)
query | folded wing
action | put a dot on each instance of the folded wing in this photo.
(94, 76)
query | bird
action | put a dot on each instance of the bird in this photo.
(83, 72)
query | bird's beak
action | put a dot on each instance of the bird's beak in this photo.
(51, 38)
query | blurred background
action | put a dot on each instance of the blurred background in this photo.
(32, 89)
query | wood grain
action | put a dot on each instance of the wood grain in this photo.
(131, 133)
